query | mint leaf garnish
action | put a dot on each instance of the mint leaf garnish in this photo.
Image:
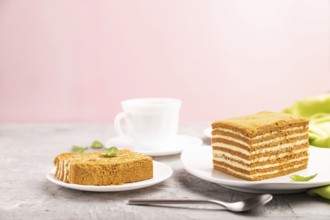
(111, 152)
(78, 150)
(298, 178)
(97, 145)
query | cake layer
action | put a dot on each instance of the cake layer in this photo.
(265, 137)
(267, 165)
(261, 123)
(101, 175)
(288, 130)
(223, 156)
(272, 142)
(95, 169)
(261, 176)
(256, 132)
(232, 148)
(259, 145)
(263, 170)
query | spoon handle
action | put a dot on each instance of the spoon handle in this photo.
(162, 201)
(168, 201)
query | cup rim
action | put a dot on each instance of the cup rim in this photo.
(145, 101)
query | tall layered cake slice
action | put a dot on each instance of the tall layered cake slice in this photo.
(260, 146)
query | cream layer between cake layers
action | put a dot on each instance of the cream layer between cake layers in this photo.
(278, 151)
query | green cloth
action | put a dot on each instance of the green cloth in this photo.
(317, 110)
(323, 191)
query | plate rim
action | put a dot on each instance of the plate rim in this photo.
(245, 184)
(172, 151)
(115, 188)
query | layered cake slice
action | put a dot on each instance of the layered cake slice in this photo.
(95, 169)
(260, 146)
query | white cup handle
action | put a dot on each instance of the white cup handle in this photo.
(117, 126)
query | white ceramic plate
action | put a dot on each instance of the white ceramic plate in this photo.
(180, 143)
(161, 173)
(208, 132)
(198, 162)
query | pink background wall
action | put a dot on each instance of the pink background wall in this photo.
(70, 60)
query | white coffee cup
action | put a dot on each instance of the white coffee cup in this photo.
(151, 123)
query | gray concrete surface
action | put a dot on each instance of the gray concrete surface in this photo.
(27, 152)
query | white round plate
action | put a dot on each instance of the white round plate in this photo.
(208, 132)
(180, 143)
(198, 162)
(161, 173)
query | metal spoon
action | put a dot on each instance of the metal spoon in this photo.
(240, 206)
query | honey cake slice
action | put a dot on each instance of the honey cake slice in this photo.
(95, 169)
(260, 146)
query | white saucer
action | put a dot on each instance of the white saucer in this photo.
(198, 162)
(208, 132)
(180, 143)
(161, 173)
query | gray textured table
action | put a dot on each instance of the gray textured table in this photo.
(27, 152)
